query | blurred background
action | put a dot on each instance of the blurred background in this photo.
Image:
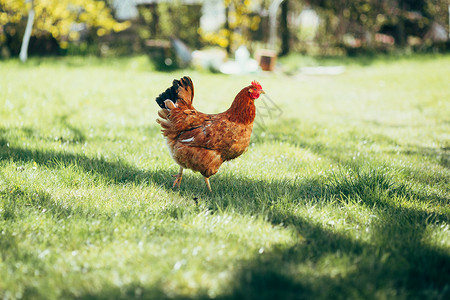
(221, 35)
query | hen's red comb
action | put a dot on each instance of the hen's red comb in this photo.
(256, 85)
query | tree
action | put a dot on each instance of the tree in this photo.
(26, 36)
(284, 26)
(240, 20)
(364, 18)
(58, 17)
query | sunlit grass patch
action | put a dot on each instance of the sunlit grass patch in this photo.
(343, 195)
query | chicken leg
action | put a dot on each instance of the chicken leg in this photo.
(207, 184)
(178, 177)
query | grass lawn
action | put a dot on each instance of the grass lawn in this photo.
(344, 192)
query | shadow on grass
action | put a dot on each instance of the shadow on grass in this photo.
(341, 152)
(442, 155)
(115, 172)
(78, 135)
(396, 263)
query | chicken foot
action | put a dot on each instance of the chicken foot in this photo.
(178, 177)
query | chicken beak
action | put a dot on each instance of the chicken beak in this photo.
(262, 92)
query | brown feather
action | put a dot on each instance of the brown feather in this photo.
(163, 113)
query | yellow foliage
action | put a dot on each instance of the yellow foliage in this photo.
(239, 17)
(101, 32)
(57, 17)
(73, 35)
(121, 26)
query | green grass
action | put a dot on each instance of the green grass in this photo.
(343, 193)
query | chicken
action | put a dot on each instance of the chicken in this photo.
(202, 142)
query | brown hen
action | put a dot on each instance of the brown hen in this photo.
(202, 142)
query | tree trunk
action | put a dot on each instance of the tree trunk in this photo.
(285, 34)
(400, 32)
(26, 36)
(400, 29)
(228, 29)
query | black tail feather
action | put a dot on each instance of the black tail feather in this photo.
(174, 92)
(170, 93)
